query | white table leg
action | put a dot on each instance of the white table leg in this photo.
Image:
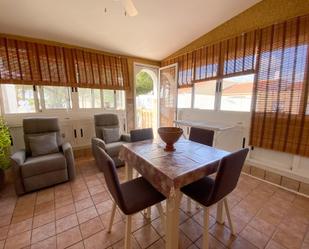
(172, 220)
(220, 212)
(128, 172)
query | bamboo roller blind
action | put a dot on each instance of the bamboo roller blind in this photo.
(280, 119)
(230, 57)
(23, 62)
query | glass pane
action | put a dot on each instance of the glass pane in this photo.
(120, 100)
(184, 97)
(84, 98)
(57, 97)
(168, 94)
(205, 94)
(97, 98)
(237, 93)
(109, 98)
(18, 98)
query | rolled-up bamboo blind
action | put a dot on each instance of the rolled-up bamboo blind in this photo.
(280, 118)
(234, 56)
(24, 62)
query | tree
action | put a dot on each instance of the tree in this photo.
(144, 83)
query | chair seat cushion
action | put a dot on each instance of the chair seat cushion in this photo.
(113, 149)
(139, 194)
(200, 190)
(43, 164)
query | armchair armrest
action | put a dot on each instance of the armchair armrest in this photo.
(126, 138)
(99, 142)
(69, 156)
(17, 160)
(19, 157)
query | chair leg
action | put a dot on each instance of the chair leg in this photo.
(227, 210)
(147, 212)
(127, 239)
(189, 202)
(111, 221)
(205, 231)
(162, 217)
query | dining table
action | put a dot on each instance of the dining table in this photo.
(169, 171)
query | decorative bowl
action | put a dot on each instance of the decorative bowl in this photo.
(170, 135)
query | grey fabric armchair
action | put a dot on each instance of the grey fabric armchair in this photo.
(108, 136)
(46, 160)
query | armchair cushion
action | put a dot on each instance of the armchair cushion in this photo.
(43, 164)
(110, 135)
(43, 144)
(113, 149)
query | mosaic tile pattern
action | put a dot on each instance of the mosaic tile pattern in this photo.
(76, 214)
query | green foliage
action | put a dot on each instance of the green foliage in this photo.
(144, 83)
(5, 143)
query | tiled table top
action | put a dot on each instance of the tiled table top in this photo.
(167, 171)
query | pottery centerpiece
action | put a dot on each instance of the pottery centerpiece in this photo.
(170, 135)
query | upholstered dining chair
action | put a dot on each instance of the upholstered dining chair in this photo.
(141, 135)
(108, 135)
(208, 191)
(202, 136)
(131, 197)
(46, 160)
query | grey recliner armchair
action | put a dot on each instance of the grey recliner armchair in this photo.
(45, 161)
(108, 136)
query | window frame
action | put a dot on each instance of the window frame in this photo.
(42, 100)
(40, 107)
(218, 95)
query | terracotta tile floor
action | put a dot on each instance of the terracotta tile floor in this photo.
(76, 214)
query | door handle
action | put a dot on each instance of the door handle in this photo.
(75, 135)
(81, 133)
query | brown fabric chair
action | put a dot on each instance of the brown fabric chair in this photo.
(141, 134)
(109, 121)
(202, 136)
(131, 197)
(207, 191)
(35, 172)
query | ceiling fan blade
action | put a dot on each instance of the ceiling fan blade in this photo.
(129, 7)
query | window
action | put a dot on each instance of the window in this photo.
(205, 95)
(56, 97)
(237, 93)
(89, 98)
(120, 100)
(184, 97)
(109, 99)
(18, 98)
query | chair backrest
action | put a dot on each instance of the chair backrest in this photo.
(40, 126)
(107, 166)
(228, 174)
(106, 120)
(202, 136)
(141, 134)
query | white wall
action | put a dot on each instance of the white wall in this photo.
(283, 163)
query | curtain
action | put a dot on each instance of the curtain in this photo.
(23, 62)
(280, 118)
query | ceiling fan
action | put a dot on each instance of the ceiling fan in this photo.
(129, 7)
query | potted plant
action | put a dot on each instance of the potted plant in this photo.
(5, 144)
